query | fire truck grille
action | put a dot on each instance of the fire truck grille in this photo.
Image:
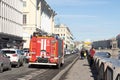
(42, 60)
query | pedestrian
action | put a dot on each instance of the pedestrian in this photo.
(92, 53)
(82, 53)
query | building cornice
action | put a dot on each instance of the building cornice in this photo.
(46, 7)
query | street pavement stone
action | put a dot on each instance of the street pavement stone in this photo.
(80, 71)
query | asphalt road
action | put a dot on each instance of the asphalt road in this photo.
(35, 73)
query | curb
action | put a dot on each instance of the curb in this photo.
(59, 75)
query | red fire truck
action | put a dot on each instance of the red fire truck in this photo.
(46, 50)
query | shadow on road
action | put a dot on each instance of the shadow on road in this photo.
(93, 71)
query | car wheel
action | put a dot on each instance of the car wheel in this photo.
(18, 64)
(58, 66)
(1, 69)
(22, 63)
(10, 67)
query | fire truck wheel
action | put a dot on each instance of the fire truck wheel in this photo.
(30, 66)
(61, 64)
(58, 66)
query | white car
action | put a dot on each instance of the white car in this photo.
(16, 56)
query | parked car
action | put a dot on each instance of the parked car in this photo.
(16, 56)
(4, 62)
(26, 55)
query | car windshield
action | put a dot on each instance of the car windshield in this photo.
(8, 52)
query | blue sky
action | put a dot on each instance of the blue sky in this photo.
(88, 19)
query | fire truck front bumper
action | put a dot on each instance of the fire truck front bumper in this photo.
(31, 63)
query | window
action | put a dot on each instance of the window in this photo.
(24, 3)
(24, 19)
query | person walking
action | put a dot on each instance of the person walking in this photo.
(92, 53)
(83, 53)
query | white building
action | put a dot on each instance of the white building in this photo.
(64, 32)
(10, 22)
(37, 15)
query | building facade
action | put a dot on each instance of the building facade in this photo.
(11, 23)
(37, 15)
(64, 32)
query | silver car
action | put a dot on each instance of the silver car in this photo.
(16, 56)
(4, 62)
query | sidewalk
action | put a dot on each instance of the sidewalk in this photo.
(80, 71)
